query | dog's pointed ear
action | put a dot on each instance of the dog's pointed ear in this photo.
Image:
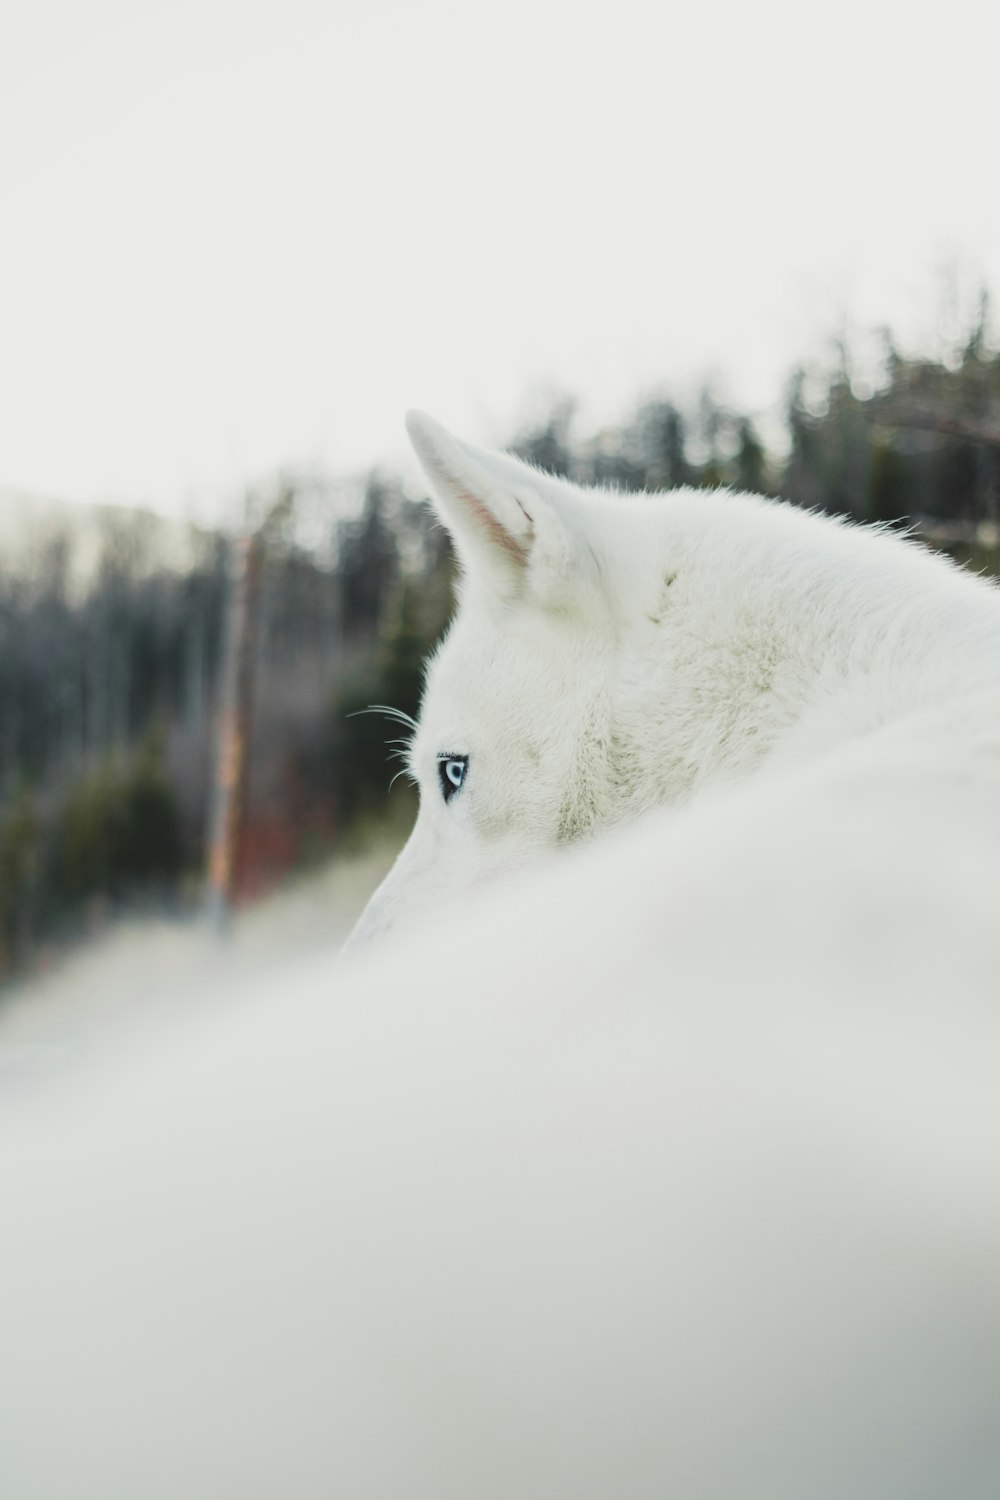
(509, 533)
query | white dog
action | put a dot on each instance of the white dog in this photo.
(612, 655)
(667, 1169)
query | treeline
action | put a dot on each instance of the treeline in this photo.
(922, 449)
(108, 708)
(108, 689)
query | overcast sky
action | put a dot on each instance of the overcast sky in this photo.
(241, 233)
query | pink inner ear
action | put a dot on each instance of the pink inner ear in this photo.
(484, 517)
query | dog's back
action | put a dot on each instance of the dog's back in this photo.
(671, 1169)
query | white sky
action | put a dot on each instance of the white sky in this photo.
(237, 233)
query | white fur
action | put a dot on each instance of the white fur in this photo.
(669, 1168)
(611, 655)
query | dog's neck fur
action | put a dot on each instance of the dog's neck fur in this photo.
(742, 640)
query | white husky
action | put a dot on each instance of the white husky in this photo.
(611, 655)
(670, 1169)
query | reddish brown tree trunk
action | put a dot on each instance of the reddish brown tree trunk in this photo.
(233, 728)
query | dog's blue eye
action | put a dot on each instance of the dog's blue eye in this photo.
(451, 774)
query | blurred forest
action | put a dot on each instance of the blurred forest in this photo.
(109, 682)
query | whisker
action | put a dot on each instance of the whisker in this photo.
(398, 714)
(401, 745)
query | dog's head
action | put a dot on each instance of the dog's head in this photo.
(517, 750)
